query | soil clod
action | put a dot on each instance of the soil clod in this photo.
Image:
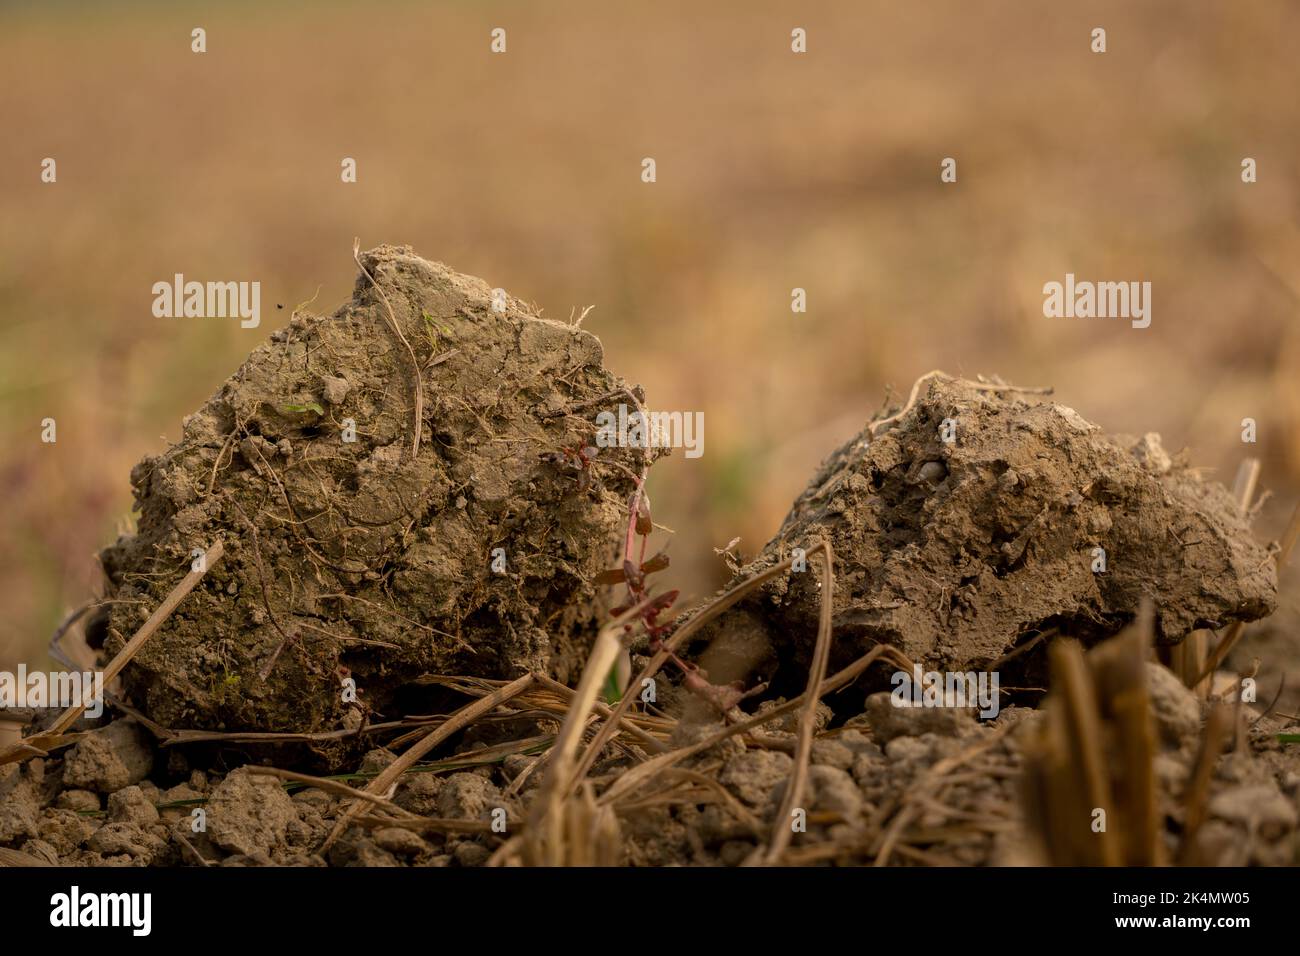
(979, 517)
(348, 559)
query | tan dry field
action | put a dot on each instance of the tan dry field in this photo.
(774, 172)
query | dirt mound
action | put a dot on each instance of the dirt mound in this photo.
(354, 547)
(979, 515)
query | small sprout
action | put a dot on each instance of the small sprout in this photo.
(613, 693)
(633, 573)
(303, 409)
(430, 332)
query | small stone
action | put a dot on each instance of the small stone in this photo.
(831, 753)
(1268, 818)
(109, 759)
(467, 796)
(735, 852)
(65, 830)
(933, 472)
(84, 801)
(116, 839)
(313, 797)
(836, 791)
(687, 733)
(130, 805)
(829, 790)
(1260, 807)
(376, 760)
(249, 813)
(418, 793)
(1151, 454)
(907, 749)
(859, 743)
(888, 721)
(471, 854)
(1174, 707)
(334, 389)
(180, 793)
(400, 842)
(18, 812)
(753, 775)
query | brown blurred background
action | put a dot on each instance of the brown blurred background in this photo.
(775, 170)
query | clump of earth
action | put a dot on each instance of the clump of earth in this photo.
(979, 516)
(350, 554)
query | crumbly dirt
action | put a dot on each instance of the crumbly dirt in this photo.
(358, 558)
(863, 773)
(955, 551)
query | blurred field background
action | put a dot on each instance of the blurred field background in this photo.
(774, 171)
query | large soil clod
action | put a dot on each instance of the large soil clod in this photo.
(354, 557)
(979, 516)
